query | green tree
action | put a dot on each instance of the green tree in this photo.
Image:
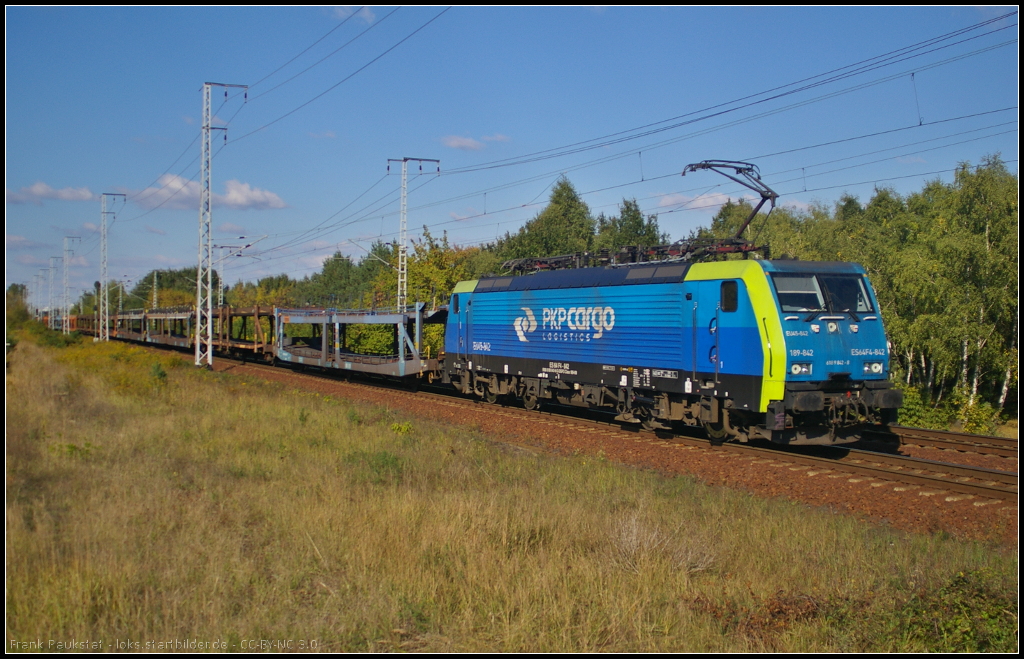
(629, 227)
(338, 284)
(563, 227)
(17, 306)
(276, 290)
(174, 288)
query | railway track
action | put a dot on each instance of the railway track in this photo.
(951, 482)
(951, 441)
(932, 477)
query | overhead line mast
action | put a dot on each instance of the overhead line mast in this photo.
(104, 301)
(403, 273)
(51, 316)
(204, 273)
(66, 308)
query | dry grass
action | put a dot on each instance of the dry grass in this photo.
(151, 501)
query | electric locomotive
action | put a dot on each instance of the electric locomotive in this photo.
(790, 351)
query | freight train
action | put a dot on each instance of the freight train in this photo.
(790, 351)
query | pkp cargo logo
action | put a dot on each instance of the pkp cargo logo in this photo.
(561, 324)
(524, 324)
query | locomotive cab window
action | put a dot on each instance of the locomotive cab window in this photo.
(846, 294)
(729, 296)
(455, 303)
(834, 293)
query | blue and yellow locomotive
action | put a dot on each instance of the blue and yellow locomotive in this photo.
(790, 351)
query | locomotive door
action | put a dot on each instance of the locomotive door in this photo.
(706, 317)
(467, 318)
(461, 309)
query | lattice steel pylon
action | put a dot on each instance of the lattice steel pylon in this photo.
(204, 273)
(403, 254)
(104, 301)
(65, 320)
(51, 318)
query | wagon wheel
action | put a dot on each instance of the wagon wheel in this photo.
(717, 432)
(530, 401)
(491, 396)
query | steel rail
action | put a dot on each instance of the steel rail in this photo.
(951, 440)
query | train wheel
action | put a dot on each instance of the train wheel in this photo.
(491, 396)
(717, 432)
(530, 401)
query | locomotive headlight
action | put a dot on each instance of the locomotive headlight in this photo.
(872, 368)
(800, 369)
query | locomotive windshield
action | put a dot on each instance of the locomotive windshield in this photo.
(822, 292)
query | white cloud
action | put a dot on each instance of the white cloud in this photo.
(39, 191)
(90, 227)
(180, 193)
(364, 13)
(497, 137)
(672, 200)
(159, 232)
(910, 160)
(470, 213)
(187, 119)
(21, 242)
(312, 261)
(704, 202)
(242, 196)
(172, 191)
(28, 259)
(228, 227)
(145, 263)
(169, 260)
(327, 134)
(464, 143)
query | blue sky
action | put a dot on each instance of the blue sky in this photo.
(110, 100)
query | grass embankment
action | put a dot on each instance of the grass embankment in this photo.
(151, 501)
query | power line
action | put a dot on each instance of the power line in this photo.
(331, 54)
(329, 33)
(372, 214)
(623, 136)
(196, 138)
(343, 80)
(883, 132)
(655, 145)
